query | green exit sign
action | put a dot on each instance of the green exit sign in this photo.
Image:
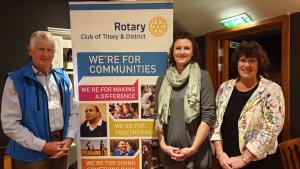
(235, 20)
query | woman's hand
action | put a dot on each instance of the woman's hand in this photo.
(185, 153)
(238, 162)
(224, 161)
(173, 152)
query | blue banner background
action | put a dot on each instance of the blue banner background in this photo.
(158, 59)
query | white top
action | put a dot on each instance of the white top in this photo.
(90, 126)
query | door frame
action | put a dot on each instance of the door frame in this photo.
(281, 23)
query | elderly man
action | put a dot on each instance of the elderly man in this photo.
(93, 126)
(38, 110)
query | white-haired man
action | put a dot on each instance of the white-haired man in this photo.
(38, 110)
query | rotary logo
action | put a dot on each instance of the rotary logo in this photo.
(158, 26)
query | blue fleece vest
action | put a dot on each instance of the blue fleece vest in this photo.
(34, 108)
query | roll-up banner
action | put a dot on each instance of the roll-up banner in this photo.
(119, 50)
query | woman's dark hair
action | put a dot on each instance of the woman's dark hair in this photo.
(134, 106)
(251, 49)
(184, 35)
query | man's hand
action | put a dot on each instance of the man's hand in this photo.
(54, 147)
(60, 149)
(66, 145)
(67, 142)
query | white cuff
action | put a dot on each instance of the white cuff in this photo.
(38, 144)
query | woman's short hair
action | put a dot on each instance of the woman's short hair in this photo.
(251, 49)
(184, 35)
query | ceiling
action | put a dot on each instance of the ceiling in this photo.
(201, 16)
